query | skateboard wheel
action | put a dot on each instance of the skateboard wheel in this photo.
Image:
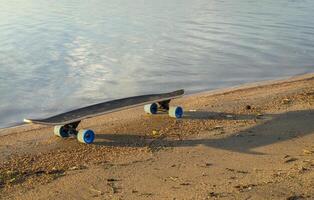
(151, 108)
(86, 136)
(59, 131)
(176, 112)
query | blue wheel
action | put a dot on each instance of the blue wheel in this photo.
(151, 108)
(176, 112)
(60, 132)
(86, 136)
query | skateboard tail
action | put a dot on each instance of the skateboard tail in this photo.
(27, 120)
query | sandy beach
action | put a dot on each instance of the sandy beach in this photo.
(254, 141)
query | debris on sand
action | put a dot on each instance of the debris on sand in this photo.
(112, 180)
(248, 107)
(303, 169)
(208, 164)
(237, 171)
(96, 191)
(286, 101)
(147, 194)
(113, 187)
(296, 197)
(185, 184)
(241, 188)
(218, 127)
(10, 177)
(259, 114)
(213, 194)
(307, 152)
(173, 178)
(290, 160)
(80, 167)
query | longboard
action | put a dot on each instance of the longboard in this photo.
(66, 123)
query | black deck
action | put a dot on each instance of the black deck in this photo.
(104, 108)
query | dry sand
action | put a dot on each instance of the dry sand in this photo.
(250, 142)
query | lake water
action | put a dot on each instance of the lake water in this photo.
(60, 55)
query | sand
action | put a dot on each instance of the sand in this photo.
(254, 141)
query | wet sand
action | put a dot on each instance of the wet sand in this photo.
(248, 142)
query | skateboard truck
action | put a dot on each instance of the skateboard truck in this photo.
(163, 105)
(173, 111)
(70, 129)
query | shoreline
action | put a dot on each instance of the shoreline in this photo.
(225, 90)
(257, 84)
(253, 141)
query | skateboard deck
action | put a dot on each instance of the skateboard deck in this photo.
(105, 108)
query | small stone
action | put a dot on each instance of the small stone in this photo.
(111, 180)
(295, 197)
(12, 180)
(218, 127)
(248, 107)
(74, 168)
(307, 152)
(173, 178)
(213, 194)
(302, 169)
(290, 160)
(286, 101)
